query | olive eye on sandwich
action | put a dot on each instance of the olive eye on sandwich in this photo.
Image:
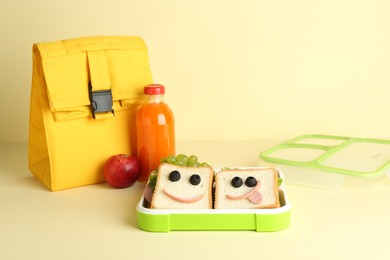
(236, 182)
(195, 179)
(251, 181)
(174, 176)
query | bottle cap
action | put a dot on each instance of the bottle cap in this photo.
(154, 89)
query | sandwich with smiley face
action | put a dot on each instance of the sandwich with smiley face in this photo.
(182, 187)
(246, 188)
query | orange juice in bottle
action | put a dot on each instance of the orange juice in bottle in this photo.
(155, 131)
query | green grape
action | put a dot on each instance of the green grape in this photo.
(204, 164)
(193, 158)
(164, 160)
(171, 159)
(181, 157)
(180, 163)
(192, 163)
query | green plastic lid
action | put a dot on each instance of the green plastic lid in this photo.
(363, 157)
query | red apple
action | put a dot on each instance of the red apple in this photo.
(121, 170)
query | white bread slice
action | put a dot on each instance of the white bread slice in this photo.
(182, 194)
(263, 195)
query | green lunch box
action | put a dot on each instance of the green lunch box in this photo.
(260, 220)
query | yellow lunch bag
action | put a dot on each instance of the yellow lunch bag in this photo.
(85, 94)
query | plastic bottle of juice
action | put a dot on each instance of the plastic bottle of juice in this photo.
(155, 131)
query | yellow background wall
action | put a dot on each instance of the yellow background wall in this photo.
(233, 69)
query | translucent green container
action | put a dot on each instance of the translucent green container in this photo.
(326, 161)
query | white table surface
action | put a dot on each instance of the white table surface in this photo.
(98, 222)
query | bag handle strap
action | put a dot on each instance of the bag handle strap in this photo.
(100, 85)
